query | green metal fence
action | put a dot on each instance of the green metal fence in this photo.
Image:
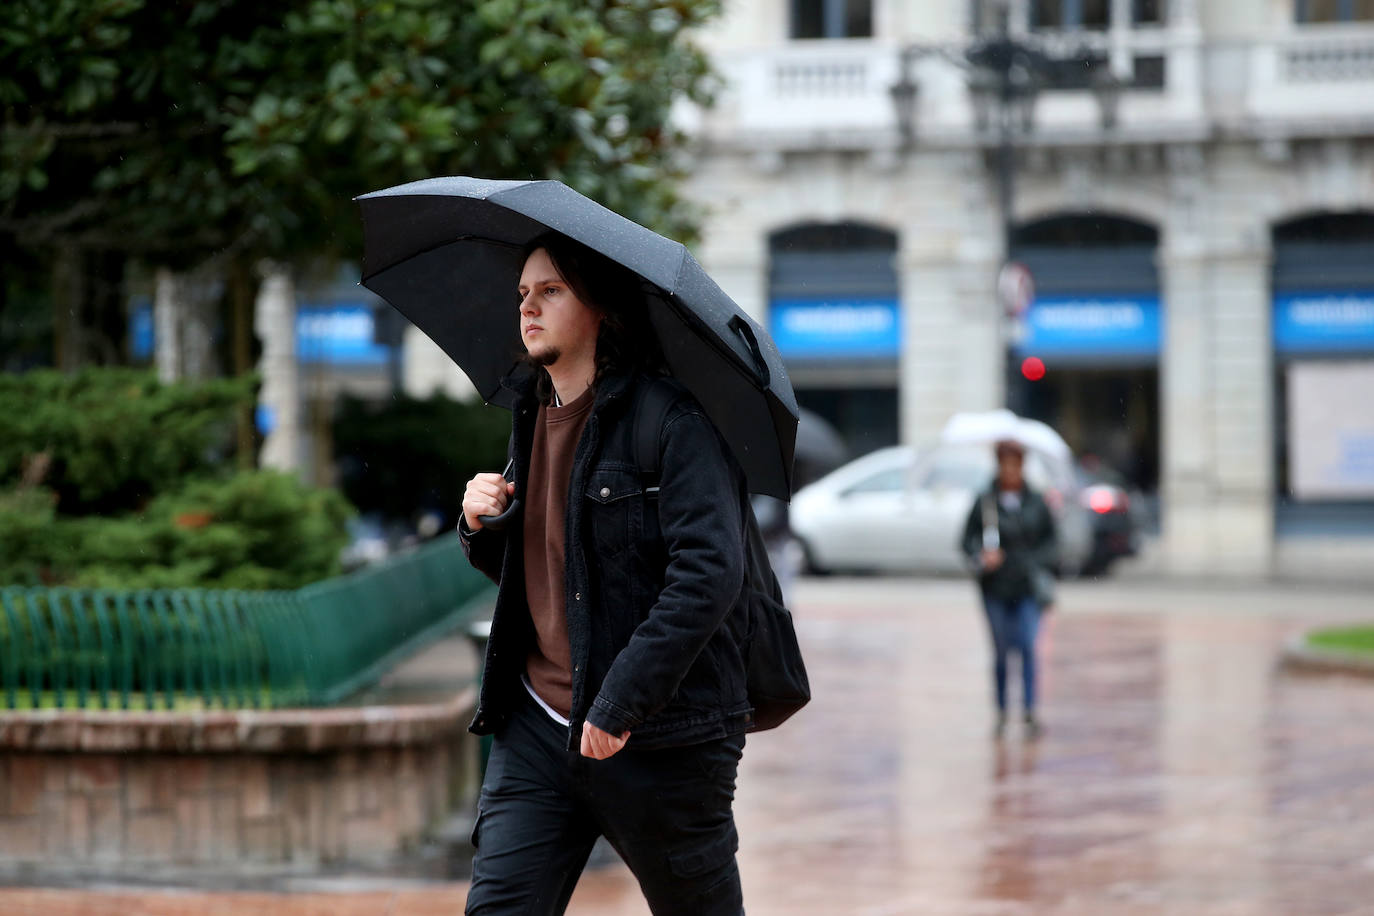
(198, 648)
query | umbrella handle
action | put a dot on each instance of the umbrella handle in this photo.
(741, 327)
(497, 522)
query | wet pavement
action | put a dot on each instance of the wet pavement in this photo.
(1181, 771)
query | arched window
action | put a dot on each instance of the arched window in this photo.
(1323, 338)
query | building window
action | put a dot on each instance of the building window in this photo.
(1092, 14)
(1147, 12)
(1071, 14)
(832, 18)
(1335, 10)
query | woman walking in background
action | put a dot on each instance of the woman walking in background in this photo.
(1010, 544)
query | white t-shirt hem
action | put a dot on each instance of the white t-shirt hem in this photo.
(553, 713)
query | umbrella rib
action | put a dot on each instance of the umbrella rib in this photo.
(445, 243)
(710, 338)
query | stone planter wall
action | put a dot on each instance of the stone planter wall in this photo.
(119, 792)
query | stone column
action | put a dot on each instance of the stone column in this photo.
(166, 327)
(1242, 366)
(1216, 381)
(275, 325)
(1186, 456)
(952, 353)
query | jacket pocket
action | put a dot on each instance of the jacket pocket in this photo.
(615, 509)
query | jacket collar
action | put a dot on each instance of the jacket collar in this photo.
(611, 389)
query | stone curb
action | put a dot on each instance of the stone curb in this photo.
(234, 731)
(1299, 656)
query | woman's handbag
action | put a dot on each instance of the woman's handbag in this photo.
(1042, 586)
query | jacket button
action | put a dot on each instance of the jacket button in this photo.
(605, 491)
(577, 596)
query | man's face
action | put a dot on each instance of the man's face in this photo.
(554, 323)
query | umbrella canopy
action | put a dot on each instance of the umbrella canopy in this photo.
(447, 253)
(992, 426)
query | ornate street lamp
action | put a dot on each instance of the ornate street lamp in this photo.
(905, 93)
(1107, 88)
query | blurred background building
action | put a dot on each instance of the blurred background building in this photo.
(1189, 187)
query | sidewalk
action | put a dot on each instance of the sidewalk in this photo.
(1181, 772)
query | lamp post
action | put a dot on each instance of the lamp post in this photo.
(1005, 76)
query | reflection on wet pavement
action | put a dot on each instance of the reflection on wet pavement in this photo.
(1181, 772)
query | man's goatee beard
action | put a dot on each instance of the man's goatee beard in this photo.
(547, 358)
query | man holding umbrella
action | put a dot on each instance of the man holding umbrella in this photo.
(614, 680)
(637, 633)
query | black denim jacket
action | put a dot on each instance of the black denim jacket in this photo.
(651, 580)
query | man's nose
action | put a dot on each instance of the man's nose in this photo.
(527, 306)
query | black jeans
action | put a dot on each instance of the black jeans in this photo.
(668, 813)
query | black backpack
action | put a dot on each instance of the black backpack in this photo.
(775, 673)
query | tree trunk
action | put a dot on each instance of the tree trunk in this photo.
(67, 295)
(90, 327)
(107, 308)
(242, 356)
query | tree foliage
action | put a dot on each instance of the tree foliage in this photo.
(176, 129)
(106, 440)
(109, 478)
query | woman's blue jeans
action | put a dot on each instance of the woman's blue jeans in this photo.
(1013, 624)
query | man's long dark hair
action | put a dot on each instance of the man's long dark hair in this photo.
(626, 343)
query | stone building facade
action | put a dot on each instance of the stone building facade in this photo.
(1222, 215)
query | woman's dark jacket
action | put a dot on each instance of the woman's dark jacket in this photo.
(650, 579)
(1028, 541)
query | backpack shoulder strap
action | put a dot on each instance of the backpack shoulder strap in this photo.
(651, 409)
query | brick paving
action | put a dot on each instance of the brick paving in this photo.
(1182, 772)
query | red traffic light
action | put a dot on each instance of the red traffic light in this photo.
(1033, 368)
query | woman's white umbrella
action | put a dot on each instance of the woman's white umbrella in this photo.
(992, 426)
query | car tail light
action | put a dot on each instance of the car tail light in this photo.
(1102, 499)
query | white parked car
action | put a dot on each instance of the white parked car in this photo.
(897, 510)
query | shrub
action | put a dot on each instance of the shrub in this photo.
(412, 454)
(106, 440)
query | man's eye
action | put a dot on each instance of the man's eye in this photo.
(552, 291)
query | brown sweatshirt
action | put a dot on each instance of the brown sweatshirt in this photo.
(556, 433)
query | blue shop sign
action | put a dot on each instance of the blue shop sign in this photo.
(857, 328)
(1307, 322)
(338, 335)
(141, 340)
(1109, 325)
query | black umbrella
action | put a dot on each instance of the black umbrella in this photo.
(446, 252)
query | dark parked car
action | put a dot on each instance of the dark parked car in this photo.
(1115, 514)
